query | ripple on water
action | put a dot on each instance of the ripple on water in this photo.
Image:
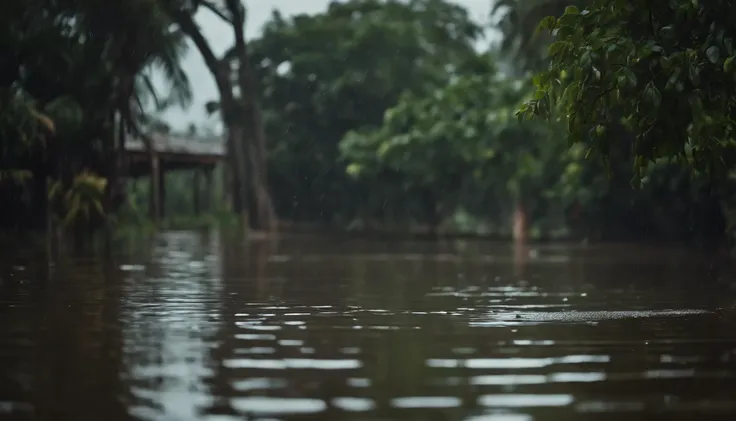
(434, 402)
(261, 405)
(499, 417)
(527, 379)
(522, 401)
(255, 337)
(515, 363)
(293, 363)
(261, 383)
(352, 404)
(200, 332)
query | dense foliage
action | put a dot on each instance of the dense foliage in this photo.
(665, 73)
(326, 74)
(73, 79)
(596, 49)
(462, 147)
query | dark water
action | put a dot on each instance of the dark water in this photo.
(194, 328)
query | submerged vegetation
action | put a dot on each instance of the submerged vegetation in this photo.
(383, 113)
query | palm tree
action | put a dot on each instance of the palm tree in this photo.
(137, 37)
(518, 21)
(95, 56)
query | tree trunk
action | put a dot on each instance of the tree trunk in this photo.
(154, 206)
(231, 117)
(431, 209)
(519, 227)
(231, 176)
(260, 207)
(238, 173)
(241, 116)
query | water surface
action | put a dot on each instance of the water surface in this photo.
(193, 327)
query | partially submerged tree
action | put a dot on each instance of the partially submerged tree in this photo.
(238, 105)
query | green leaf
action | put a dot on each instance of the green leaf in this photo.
(98, 206)
(630, 78)
(572, 10)
(654, 95)
(556, 47)
(585, 60)
(548, 23)
(667, 31)
(697, 106)
(537, 80)
(728, 65)
(713, 53)
(694, 75)
(521, 114)
(353, 169)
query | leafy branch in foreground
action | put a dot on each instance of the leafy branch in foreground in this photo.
(664, 73)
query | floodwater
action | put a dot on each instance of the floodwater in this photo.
(193, 327)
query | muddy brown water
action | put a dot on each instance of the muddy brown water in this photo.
(194, 327)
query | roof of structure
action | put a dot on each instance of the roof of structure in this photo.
(180, 145)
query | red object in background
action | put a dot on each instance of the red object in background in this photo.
(575, 211)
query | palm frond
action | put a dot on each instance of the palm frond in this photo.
(145, 91)
(168, 61)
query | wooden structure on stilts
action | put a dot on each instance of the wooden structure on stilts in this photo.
(175, 152)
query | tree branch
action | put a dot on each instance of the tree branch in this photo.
(190, 27)
(240, 49)
(230, 54)
(212, 8)
(237, 10)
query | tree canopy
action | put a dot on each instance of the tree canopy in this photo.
(461, 135)
(328, 73)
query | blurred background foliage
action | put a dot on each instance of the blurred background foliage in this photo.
(378, 114)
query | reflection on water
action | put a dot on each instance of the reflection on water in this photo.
(169, 317)
(196, 328)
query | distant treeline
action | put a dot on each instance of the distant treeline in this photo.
(370, 114)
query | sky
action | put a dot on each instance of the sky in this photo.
(219, 35)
